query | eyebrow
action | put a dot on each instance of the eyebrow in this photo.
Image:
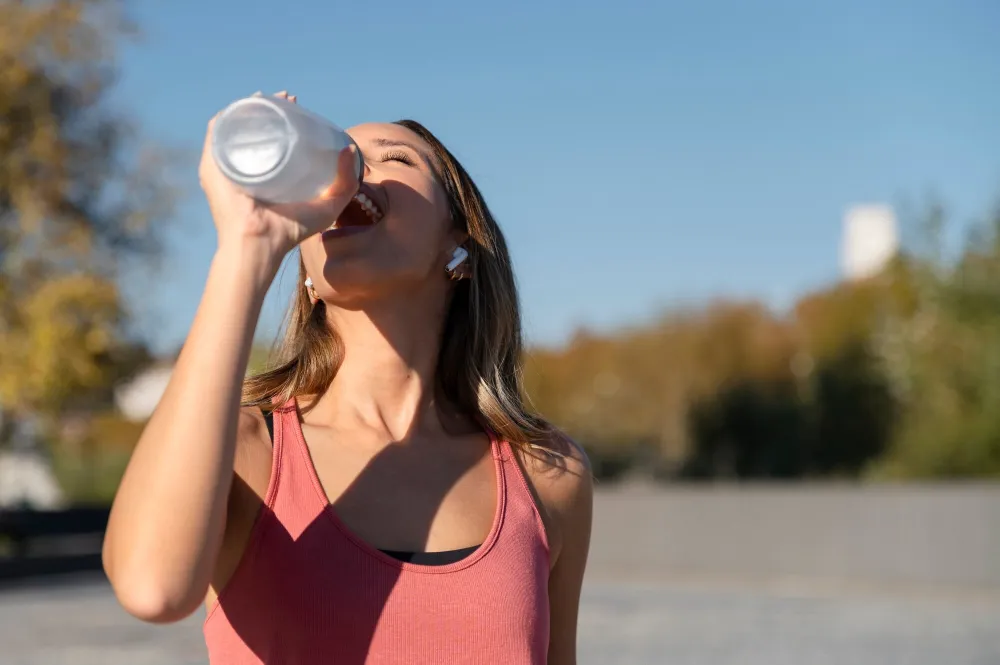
(388, 143)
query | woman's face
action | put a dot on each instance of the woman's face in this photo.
(397, 235)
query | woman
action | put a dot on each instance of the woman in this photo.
(383, 495)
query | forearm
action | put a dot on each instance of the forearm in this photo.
(168, 517)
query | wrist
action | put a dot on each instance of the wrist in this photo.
(251, 263)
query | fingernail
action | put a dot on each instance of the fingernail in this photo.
(257, 94)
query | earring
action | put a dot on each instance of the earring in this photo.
(457, 258)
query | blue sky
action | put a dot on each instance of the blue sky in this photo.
(636, 157)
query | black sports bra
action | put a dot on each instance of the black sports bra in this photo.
(422, 558)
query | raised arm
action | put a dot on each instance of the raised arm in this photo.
(168, 518)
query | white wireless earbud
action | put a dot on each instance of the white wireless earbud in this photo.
(308, 282)
(460, 254)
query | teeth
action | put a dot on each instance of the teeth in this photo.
(368, 206)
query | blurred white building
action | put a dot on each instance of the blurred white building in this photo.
(26, 479)
(138, 398)
(870, 240)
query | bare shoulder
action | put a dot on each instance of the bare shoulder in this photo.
(559, 468)
(561, 479)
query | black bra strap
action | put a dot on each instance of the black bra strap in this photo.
(269, 419)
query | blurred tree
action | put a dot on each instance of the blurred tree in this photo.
(731, 390)
(896, 375)
(627, 397)
(943, 360)
(849, 401)
(852, 415)
(79, 200)
(753, 429)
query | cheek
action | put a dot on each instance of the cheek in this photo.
(419, 217)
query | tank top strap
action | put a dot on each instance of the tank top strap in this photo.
(521, 507)
(294, 495)
(513, 478)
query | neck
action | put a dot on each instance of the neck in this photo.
(387, 378)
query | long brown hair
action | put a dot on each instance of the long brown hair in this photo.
(480, 363)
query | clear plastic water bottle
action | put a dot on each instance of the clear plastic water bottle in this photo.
(277, 151)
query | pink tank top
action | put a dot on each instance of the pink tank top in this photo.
(309, 591)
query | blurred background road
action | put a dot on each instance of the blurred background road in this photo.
(638, 624)
(682, 576)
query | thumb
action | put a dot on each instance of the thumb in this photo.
(319, 213)
(345, 184)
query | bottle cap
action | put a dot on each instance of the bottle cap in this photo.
(252, 138)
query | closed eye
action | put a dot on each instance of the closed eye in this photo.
(397, 156)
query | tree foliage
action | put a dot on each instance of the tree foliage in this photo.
(943, 359)
(897, 375)
(79, 200)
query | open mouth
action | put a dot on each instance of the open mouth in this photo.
(362, 211)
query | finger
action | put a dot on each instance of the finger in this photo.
(294, 99)
(332, 202)
(207, 163)
(345, 183)
(283, 94)
(318, 214)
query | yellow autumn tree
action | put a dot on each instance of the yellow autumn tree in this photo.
(79, 201)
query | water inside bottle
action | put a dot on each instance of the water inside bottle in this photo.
(255, 139)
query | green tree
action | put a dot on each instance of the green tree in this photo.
(80, 200)
(943, 360)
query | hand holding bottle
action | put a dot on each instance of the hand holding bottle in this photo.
(275, 228)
